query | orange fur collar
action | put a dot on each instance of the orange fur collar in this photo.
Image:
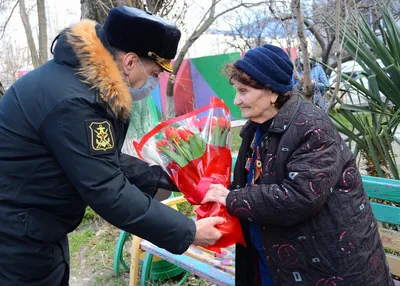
(98, 68)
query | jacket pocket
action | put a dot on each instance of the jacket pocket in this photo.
(44, 227)
(316, 258)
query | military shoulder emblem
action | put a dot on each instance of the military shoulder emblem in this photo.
(101, 136)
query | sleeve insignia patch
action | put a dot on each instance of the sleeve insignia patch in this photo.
(101, 137)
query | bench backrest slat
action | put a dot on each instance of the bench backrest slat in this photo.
(394, 264)
(390, 239)
(382, 189)
(386, 213)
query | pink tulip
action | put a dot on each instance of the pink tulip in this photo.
(203, 122)
(193, 123)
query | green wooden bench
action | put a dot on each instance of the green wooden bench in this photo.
(378, 189)
(386, 213)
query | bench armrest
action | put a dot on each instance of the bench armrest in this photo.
(174, 201)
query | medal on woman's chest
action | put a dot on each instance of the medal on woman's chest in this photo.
(257, 165)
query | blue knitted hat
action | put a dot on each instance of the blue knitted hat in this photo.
(269, 66)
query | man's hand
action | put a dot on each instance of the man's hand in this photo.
(164, 181)
(206, 233)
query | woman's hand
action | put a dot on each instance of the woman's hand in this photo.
(216, 193)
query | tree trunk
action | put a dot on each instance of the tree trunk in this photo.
(155, 5)
(85, 9)
(208, 19)
(43, 55)
(171, 81)
(2, 90)
(172, 76)
(95, 10)
(28, 33)
(339, 56)
(307, 86)
(170, 106)
(177, 64)
(326, 52)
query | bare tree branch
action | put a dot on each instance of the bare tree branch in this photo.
(310, 27)
(210, 12)
(339, 56)
(344, 59)
(206, 21)
(43, 54)
(8, 19)
(11, 61)
(306, 84)
(97, 10)
(28, 33)
(252, 29)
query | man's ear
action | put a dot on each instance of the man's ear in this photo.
(129, 60)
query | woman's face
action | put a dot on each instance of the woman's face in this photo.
(255, 104)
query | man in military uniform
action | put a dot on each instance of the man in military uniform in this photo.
(62, 127)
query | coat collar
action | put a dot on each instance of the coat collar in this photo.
(97, 67)
(282, 120)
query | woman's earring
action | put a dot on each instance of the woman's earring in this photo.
(272, 103)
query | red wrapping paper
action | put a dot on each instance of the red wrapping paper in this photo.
(195, 153)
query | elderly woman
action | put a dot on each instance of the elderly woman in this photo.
(305, 216)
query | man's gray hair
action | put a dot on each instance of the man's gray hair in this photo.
(115, 52)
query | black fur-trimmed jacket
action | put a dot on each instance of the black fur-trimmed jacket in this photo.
(62, 127)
